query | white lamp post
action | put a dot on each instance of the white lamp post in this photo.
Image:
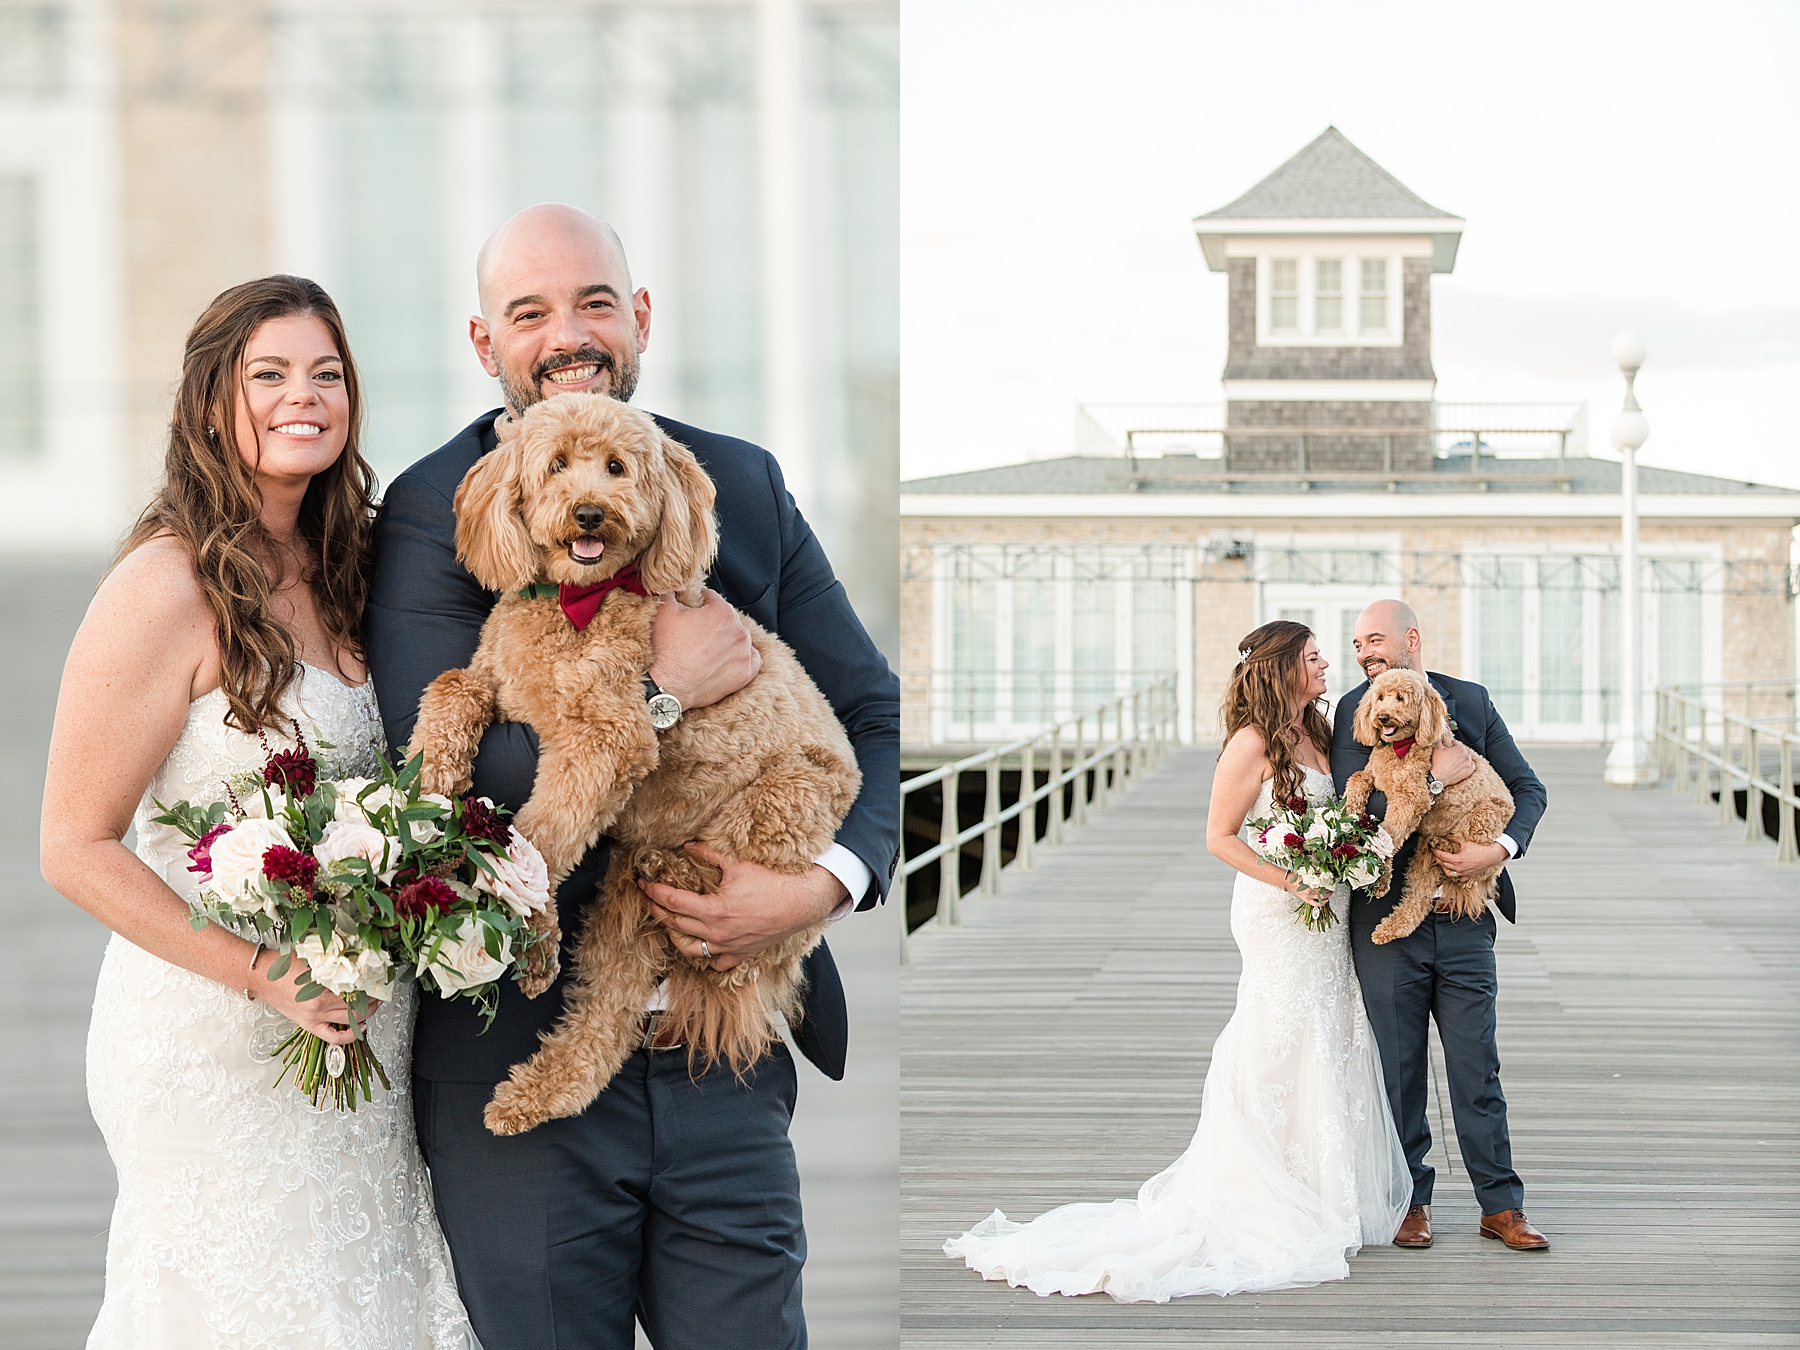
(1628, 762)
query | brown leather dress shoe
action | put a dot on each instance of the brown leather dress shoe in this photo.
(1415, 1228)
(1511, 1227)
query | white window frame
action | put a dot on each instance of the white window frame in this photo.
(1273, 596)
(1531, 726)
(1306, 258)
(1004, 725)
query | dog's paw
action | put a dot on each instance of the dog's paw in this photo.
(1386, 931)
(510, 1112)
(539, 967)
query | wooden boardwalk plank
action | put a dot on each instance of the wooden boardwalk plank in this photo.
(1054, 1047)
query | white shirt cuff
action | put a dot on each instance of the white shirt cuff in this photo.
(1512, 849)
(852, 871)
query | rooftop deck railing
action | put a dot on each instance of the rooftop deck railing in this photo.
(1701, 746)
(1099, 765)
(1485, 435)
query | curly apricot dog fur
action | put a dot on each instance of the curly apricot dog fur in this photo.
(579, 489)
(1403, 718)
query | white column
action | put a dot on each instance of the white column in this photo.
(1628, 762)
(472, 162)
(781, 93)
(645, 210)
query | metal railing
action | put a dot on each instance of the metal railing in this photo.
(1695, 738)
(1099, 770)
(942, 706)
(1484, 434)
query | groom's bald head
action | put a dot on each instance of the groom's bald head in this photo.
(1387, 638)
(549, 227)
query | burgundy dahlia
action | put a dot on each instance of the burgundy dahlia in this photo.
(201, 852)
(423, 896)
(1345, 851)
(1292, 840)
(1296, 803)
(284, 864)
(294, 771)
(1367, 821)
(481, 821)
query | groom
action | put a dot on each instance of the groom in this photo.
(672, 1200)
(1445, 967)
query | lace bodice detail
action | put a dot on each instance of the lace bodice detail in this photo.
(245, 1217)
(1316, 785)
(342, 727)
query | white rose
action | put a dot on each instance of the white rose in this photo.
(521, 880)
(332, 964)
(384, 794)
(430, 831)
(1319, 829)
(462, 961)
(254, 808)
(1364, 873)
(375, 973)
(1382, 842)
(351, 839)
(237, 855)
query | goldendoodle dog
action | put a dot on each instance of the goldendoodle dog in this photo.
(1403, 718)
(582, 516)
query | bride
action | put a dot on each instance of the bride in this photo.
(230, 627)
(1295, 1163)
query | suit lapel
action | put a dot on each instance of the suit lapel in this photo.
(1450, 707)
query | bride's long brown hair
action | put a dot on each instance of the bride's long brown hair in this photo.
(209, 501)
(1271, 672)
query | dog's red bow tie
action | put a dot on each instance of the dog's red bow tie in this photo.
(1401, 747)
(582, 603)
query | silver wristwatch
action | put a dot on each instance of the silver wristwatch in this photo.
(1431, 782)
(665, 709)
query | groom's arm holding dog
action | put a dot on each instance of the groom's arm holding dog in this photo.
(425, 615)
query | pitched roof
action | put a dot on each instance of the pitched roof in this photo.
(1329, 179)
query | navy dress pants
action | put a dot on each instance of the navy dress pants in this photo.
(670, 1200)
(1444, 970)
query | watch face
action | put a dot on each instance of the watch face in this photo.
(665, 711)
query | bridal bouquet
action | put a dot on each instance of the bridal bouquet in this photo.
(369, 882)
(1326, 846)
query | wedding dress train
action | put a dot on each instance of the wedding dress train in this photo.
(1295, 1163)
(246, 1218)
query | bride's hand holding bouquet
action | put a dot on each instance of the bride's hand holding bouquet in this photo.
(1323, 848)
(354, 885)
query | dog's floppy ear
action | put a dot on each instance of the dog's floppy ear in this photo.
(1434, 717)
(491, 539)
(1363, 728)
(688, 536)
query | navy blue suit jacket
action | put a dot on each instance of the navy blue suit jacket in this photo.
(425, 615)
(1479, 727)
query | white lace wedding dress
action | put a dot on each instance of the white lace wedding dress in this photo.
(1295, 1163)
(246, 1218)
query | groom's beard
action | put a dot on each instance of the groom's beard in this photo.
(520, 396)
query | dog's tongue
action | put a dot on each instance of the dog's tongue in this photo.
(588, 548)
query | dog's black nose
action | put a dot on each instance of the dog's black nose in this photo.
(589, 518)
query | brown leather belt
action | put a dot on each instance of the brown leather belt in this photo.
(650, 1037)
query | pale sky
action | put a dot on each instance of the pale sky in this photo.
(1618, 166)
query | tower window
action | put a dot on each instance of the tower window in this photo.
(1328, 295)
(1284, 295)
(1374, 295)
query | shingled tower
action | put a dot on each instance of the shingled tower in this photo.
(1330, 260)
